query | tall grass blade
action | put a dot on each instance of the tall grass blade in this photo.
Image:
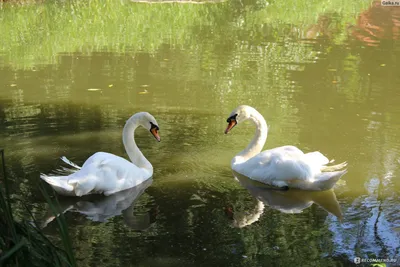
(62, 225)
(13, 250)
(5, 201)
(23, 243)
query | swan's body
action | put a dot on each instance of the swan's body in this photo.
(285, 166)
(107, 173)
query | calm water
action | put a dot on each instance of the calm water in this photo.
(326, 81)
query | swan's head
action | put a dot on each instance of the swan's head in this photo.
(147, 121)
(238, 115)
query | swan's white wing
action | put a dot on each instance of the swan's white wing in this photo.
(316, 157)
(278, 164)
(108, 173)
(63, 158)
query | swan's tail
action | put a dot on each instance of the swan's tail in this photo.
(64, 184)
(70, 186)
(59, 183)
(327, 179)
(63, 158)
(67, 170)
(336, 167)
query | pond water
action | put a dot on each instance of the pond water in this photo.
(324, 74)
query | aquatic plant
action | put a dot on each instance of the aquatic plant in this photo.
(22, 243)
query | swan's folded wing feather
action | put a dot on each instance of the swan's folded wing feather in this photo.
(105, 162)
(119, 174)
(110, 173)
(316, 157)
(282, 163)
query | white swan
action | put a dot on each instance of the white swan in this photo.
(105, 172)
(285, 166)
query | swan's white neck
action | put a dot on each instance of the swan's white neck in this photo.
(257, 144)
(131, 148)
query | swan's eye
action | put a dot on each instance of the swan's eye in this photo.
(231, 123)
(154, 131)
(231, 118)
(153, 126)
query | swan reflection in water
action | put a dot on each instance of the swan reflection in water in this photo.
(286, 201)
(99, 208)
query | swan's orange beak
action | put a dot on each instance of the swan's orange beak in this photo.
(154, 132)
(231, 124)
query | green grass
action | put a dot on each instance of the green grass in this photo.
(23, 244)
(307, 12)
(36, 34)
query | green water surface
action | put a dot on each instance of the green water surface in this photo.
(325, 75)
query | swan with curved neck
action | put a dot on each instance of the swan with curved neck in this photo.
(285, 166)
(107, 173)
